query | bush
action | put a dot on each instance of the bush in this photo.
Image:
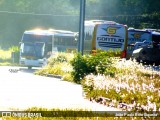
(57, 58)
(67, 77)
(15, 53)
(58, 64)
(93, 63)
(6, 56)
(14, 49)
(79, 67)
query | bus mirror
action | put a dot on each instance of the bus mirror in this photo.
(76, 36)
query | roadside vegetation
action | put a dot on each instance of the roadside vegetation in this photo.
(109, 80)
(67, 114)
(129, 86)
(6, 56)
(58, 64)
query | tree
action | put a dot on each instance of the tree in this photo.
(22, 15)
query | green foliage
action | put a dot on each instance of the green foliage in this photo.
(5, 56)
(14, 49)
(55, 70)
(110, 70)
(67, 77)
(57, 58)
(134, 13)
(93, 63)
(15, 53)
(79, 67)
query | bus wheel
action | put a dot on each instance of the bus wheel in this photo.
(29, 67)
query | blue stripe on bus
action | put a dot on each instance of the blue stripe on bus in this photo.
(108, 44)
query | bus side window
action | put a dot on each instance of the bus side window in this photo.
(58, 41)
(49, 47)
(61, 41)
(70, 42)
(66, 41)
(55, 41)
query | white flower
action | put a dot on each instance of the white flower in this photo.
(144, 86)
(151, 87)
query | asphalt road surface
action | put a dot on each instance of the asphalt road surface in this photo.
(21, 89)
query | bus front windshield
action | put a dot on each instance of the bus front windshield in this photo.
(35, 50)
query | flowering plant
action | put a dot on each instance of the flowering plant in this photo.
(133, 84)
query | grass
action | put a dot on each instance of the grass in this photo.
(67, 114)
(59, 64)
(132, 84)
(6, 58)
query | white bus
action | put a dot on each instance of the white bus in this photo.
(38, 45)
(105, 35)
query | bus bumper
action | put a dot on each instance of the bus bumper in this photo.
(33, 63)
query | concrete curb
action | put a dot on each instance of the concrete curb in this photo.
(55, 76)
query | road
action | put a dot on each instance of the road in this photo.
(21, 89)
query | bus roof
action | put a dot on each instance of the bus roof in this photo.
(50, 32)
(138, 30)
(151, 30)
(38, 32)
(61, 31)
(155, 33)
(94, 22)
(90, 24)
